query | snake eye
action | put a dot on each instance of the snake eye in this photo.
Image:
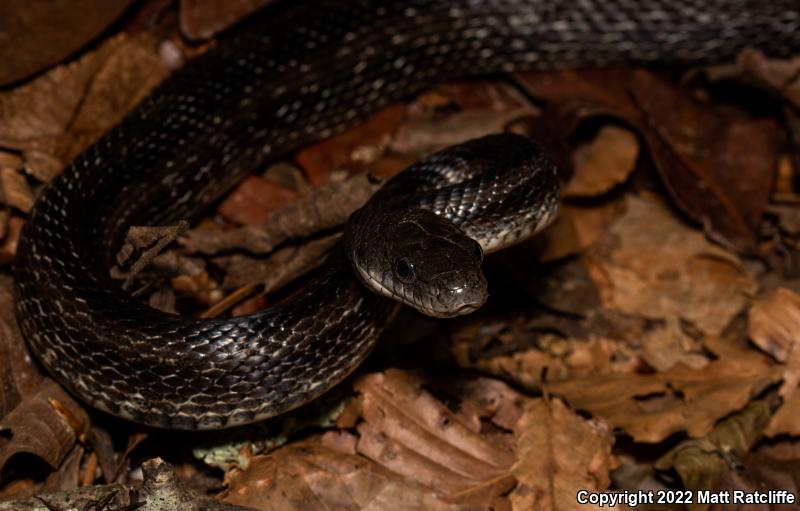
(404, 270)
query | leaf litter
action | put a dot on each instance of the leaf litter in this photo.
(657, 319)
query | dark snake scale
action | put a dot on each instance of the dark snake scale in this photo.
(294, 73)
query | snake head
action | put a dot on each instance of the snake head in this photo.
(420, 259)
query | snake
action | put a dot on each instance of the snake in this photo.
(295, 73)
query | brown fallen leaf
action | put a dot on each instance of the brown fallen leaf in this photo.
(665, 346)
(773, 325)
(651, 407)
(724, 190)
(407, 430)
(44, 34)
(607, 161)
(701, 463)
(558, 454)
(59, 114)
(254, 200)
(310, 476)
(47, 423)
(347, 150)
(661, 268)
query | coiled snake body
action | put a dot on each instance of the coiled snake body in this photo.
(295, 73)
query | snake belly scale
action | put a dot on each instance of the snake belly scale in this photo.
(292, 74)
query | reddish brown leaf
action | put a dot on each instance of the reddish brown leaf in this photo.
(346, 151)
(254, 199)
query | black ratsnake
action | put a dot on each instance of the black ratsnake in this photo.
(292, 74)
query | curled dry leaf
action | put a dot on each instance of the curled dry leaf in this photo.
(47, 423)
(688, 140)
(660, 268)
(44, 33)
(607, 161)
(558, 454)
(59, 114)
(701, 463)
(651, 407)
(311, 476)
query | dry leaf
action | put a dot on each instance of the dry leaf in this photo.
(661, 268)
(558, 453)
(254, 200)
(341, 151)
(310, 476)
(407, 430)
(774, 323)
(605, 163)
(47, 423)
(59, 114)
(702, 462)
(689, 141)
(651, 407)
